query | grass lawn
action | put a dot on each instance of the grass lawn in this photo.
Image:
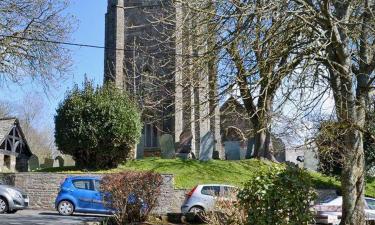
(191, 172)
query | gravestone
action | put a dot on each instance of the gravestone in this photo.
(68, 160)
(48, 163)
(207, 145)
(58, 162)
(232, 150)
(140, 149)
(184, 146)
(167, 146)
(250, 148)
(33, 162)
(311, 161)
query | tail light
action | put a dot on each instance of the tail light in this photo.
(188, 195)
(62, 181)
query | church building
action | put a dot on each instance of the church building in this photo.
(149, 49)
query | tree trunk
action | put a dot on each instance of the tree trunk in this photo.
(263, 144)
(263, 137)
(352, 181)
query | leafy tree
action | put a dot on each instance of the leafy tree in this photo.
(99, 127)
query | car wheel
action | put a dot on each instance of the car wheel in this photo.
(65, 208)
(3, 206)
(196, 209)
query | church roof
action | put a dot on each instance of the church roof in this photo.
(6, 125)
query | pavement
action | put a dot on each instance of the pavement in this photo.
(43, 217)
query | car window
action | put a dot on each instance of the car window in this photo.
(211, 190)
(97, 185)
(371, 204)
(230, 191)
(83, 184)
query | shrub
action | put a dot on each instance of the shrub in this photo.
(227, 211)
(132, 195)
(278, 196)
(97, 126)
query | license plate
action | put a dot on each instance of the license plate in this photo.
(26, 200)
(333, 220)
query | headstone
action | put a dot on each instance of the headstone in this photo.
(167, 146)
(68, 160)
(33, 162)
(184, 146)
(311, 161)
(140, 149)
(48, 163)
(232, 150)
(243, 150)
(206, 147)
(250, 148)
(278, 149)
(216, 155)
(58, 162)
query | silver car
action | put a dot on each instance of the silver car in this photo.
(12, 199)
(203, 197)
(329, 211)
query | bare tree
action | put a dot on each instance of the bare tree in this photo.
(258, 45)
(28, 34)
(345, 30)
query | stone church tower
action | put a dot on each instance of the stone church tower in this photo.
(148, 47)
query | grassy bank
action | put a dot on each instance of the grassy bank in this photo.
(191, 172)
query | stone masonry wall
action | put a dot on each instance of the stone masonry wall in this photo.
(42, 189)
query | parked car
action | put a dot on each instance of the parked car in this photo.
(202, 197)
(82, 194)
(12, 199)
(329, 210)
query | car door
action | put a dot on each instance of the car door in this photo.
(210, 194)
(98, 201)
(84, 194)
(370, 208)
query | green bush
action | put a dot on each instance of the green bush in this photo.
(97, 126)
(278, 196)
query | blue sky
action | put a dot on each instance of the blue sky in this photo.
(90, 15)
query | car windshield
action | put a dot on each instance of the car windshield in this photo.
(327, 199)
(371, 203)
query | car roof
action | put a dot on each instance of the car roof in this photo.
(223, 185)
(338, 199)
(84, 178)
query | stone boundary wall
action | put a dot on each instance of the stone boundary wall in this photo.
(42, 189)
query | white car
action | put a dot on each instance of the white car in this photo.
(329, 211)
(202, 197)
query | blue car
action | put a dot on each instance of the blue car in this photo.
(80, 194)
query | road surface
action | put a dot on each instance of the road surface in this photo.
(40, 217)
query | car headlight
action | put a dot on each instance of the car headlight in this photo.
(13, 193)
